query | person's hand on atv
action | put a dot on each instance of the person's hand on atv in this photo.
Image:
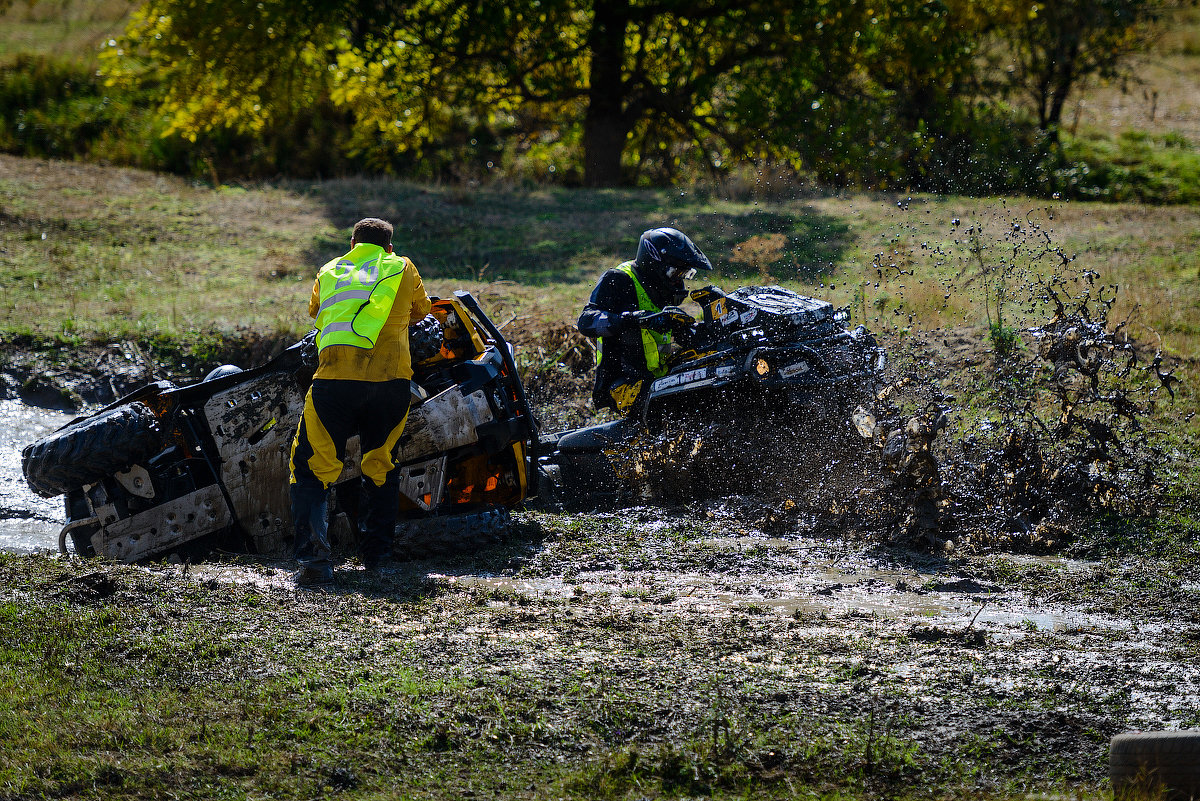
(308, 349)
(642, 319)
(670, 319)
(679, 318)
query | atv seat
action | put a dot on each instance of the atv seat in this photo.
(594, 438)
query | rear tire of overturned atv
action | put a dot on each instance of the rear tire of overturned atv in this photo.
(451, 534)
(90, 450)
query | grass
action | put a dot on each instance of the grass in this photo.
(144, 683)
(57, 27)
(137, 255)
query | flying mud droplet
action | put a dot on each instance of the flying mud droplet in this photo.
(994, 436)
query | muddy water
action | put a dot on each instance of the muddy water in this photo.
(813, 581)
(27, 523)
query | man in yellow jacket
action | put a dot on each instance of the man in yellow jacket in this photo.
(363, 303)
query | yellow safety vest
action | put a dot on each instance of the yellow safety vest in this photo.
(652, 341)
(357, 292)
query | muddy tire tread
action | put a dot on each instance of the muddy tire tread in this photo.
(424, 339)
(90, 450)
(451, 534)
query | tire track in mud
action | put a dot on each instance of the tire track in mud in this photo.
(641, 629)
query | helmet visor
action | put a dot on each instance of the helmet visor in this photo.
(683, 273)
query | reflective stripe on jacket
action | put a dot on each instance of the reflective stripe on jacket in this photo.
(652, 341)
(357, 292)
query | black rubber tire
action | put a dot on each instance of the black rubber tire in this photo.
(585, 483)
(448, 535)
(424, 339)
(91, 449)
(1139, 763)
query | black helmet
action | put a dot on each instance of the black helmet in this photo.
(665, 259)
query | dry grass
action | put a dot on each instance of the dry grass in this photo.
(139, 254)
(1165, 97)
(73, 28)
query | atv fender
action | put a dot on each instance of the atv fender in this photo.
(595, 438)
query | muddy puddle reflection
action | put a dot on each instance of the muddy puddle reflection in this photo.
(810, 580)
(28, 523)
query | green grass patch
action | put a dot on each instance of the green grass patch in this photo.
(125, 682)
(1133, 166)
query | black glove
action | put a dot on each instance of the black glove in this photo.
(632, 320)
(654, 321)
(308, 349)
(671, 318)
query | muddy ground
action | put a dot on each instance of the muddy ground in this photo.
(707, 647)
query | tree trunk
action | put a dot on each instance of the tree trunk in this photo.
(606, 124)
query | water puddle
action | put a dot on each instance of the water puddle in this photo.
(811, 590)
(28, 523)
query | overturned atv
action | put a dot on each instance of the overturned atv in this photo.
(757, 353)
(182, 469)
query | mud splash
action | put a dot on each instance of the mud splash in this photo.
(1067, 434)
(980, 437)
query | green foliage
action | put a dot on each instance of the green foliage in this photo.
(1004, 339)
(945, 96)
(55, 108)
(1134, 167)
(50, 107)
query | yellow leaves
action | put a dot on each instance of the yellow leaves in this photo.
(190, 115)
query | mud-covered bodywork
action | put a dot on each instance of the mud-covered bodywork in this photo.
(217, 466)
(758, 350)
(768, 337)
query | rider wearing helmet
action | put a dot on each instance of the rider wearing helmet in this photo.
(631, 311)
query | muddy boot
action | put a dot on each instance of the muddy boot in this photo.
(309, 507)
(309, 576)
(377, 520)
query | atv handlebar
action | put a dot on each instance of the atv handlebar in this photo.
(670, 320)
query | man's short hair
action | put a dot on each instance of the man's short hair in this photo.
(373, 231)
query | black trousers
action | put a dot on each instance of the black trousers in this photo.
(334, 411)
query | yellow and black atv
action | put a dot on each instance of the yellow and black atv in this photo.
(758, 353)
(178, 470)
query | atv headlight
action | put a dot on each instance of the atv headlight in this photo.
(762, 367)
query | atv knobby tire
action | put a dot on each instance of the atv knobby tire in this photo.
(451, 534)
(425, 339)
(1141, 763)
(90, 450)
